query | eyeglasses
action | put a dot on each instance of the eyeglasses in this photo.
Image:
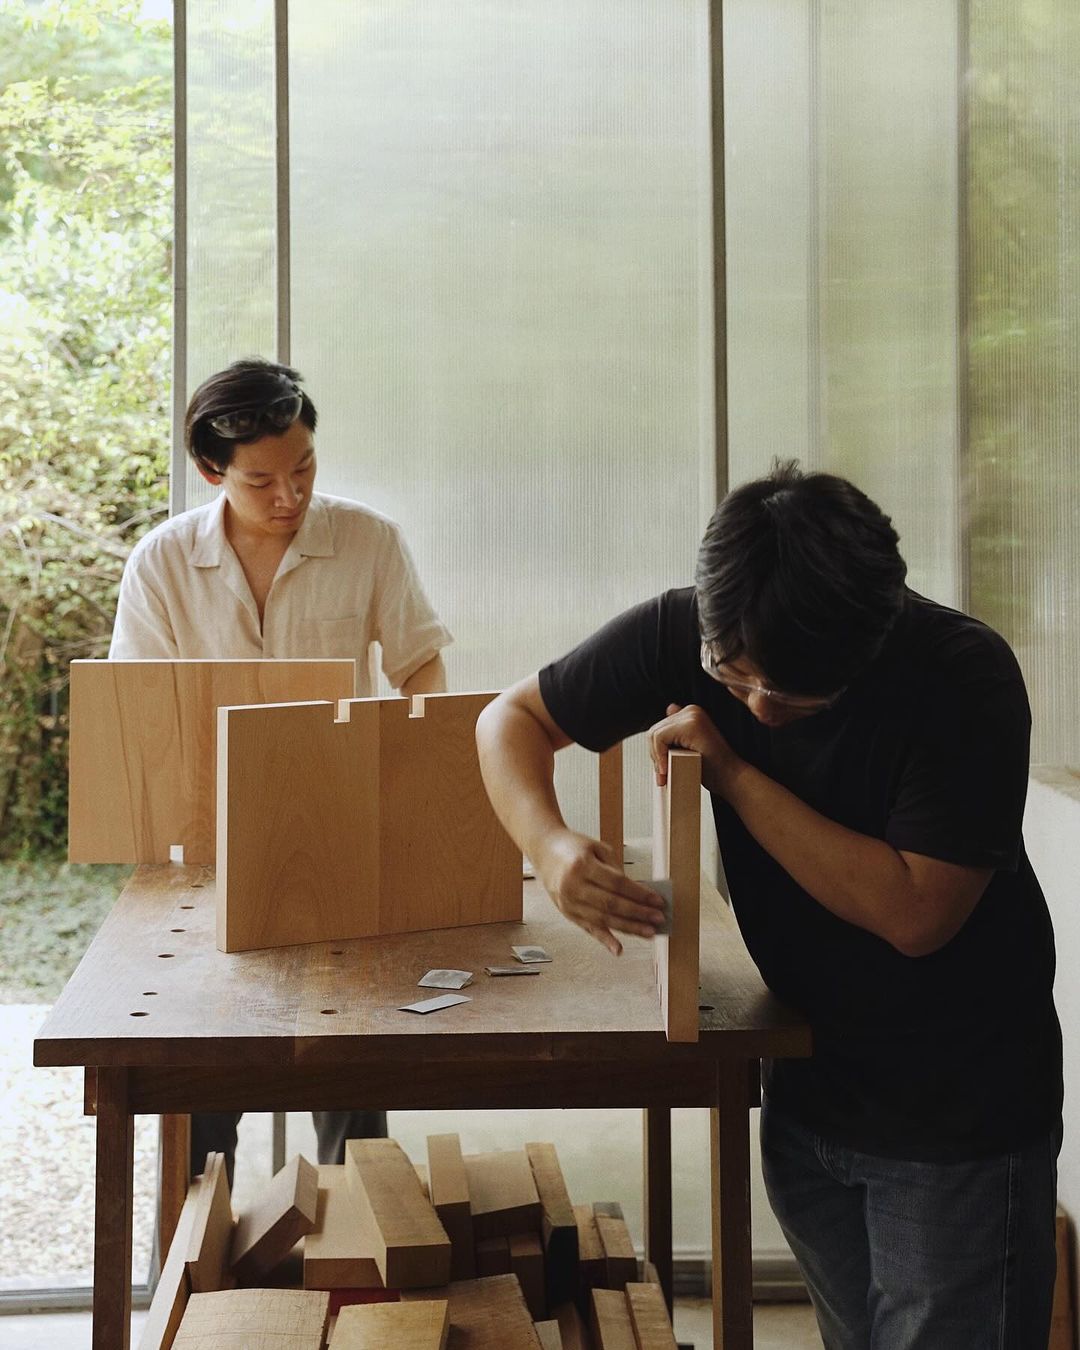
(712, 667)
(278, 415)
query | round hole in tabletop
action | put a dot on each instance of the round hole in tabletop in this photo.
(177, 930)
(139, 1014)
(197, 886)
(705, 1007)
(328, 1012)
(149, 993)
(337, 951)
(165, 955)
(187, 906)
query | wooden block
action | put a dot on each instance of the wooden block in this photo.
(335, 1253)
(266, 1234)
(423, 1325)
(558, 1227)
(649, 1317)
(422, 1177)
(410, 1244)
(527, 1263)
(492, 1257)
(389, 827)
(571, 1327)
(450, 1196)
(649, 1273)
(611, 801)
(611, 1325)
(212, 1231)
(173, 1287)
(142, 763)
(550, 1335)
(255, 1319)
(1063, 1317)
(485, 1314)
(677, 854)
(502, 1193)
(620, 1258)
(592, 1262)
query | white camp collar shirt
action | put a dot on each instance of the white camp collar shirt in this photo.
(346, 580)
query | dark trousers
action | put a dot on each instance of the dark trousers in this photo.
(215, 1132)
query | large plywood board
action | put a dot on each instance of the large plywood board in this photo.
(143, 748)
(411, 1247)
(677, 855)
(370, 821)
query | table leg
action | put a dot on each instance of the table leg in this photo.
(175, 1177)
(112, 1216)
(732, 1287)
(657, 1155)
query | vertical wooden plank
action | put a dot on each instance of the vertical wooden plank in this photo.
(112, 1216)
(730, 1166)
(449, 1193)
(650, 1317)
(677, 855)
(658, 1222)
(557, 1224)
(175, 1153)
(611, 800)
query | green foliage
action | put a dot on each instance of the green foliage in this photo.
(85, 265)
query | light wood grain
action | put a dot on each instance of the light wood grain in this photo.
(677, 854)
(571, 1327)
(649, 1317)
(142, 755)
(173, 1287)
(550, 1335)
(450, 1197)
(611, 800)
(212, 1230)
(502, 1193)
(336, 1253)
(267, 1232)
(255, 1319)
(423, 1325)
(558, 1227)
(620, 1258)
(610, 1320)
(485, 1314)
(375, 821)
(527, 1263)
(411, 1247)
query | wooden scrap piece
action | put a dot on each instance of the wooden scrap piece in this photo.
(485, 1314)
(502, 1193)
(336, 1255)
(592, 1262)
(611, 801)
(571, 1327)
(255, 1319)
(649, 1317)
(450, 1196)
(423, 1325)
(410, 1245)
(550, 1335)
(492, 1257)
(173, 1286)
(677, 854)
(558, 1227)
(212, 1230)
(527, 1263)
(611, 1325)
(620, 1258)
(266, 1234)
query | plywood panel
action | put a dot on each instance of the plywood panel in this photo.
(255, 1319)
(558, 1227)
(649, 1317)
(336, 1253)
(266, 1233)
(373, 821)
(423, 1325)
(677, 854)
(486, 1314)
(411, 1247)
(212, 1230)
(611, 1325)
(502, 1193)
(143, 754)
(450, 1196)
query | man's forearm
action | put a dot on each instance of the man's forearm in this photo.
(430, 678)
(517, 761)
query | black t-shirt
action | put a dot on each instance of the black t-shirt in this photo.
(947, 1056)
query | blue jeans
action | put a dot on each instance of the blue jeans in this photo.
(917, 1256)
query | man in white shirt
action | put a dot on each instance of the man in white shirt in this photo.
(272, 569)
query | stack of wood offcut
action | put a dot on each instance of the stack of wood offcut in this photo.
(463, 1252)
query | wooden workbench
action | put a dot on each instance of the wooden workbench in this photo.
(165, 1023)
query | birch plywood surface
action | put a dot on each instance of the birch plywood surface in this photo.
(677, 854)
(143, 754)
(372, 821)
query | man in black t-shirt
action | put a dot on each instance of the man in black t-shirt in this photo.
(866, 750)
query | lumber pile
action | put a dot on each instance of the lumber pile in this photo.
(455, 1252)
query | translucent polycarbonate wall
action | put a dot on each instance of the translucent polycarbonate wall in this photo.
(842, 195)
(501, 261)
(231, 187)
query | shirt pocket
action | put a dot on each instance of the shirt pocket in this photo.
(346, 637)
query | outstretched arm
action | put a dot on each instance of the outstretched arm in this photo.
(518, 740)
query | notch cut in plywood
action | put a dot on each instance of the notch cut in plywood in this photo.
(423, 1325)
(370, 823)
(677, 855)
(267, 1233)
(142, 767)
(410, 1245)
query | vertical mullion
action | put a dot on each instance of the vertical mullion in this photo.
(962, 523)
(719, 246)
(177, 457)
(283, 278)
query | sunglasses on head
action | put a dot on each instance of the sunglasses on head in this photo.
(278, 415)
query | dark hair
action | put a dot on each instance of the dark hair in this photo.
(801, 574)
(249, 383)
